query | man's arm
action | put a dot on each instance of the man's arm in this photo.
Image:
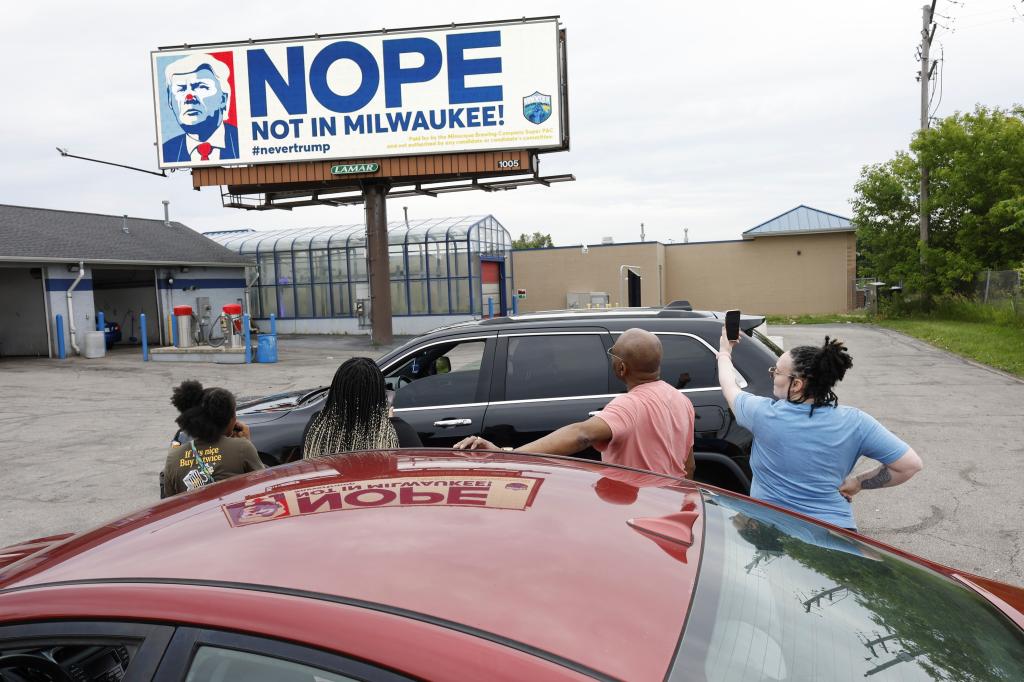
(690, 465)
(572, 438)
(885, 476)
(567, 440)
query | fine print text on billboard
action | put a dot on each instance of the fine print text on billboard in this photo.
(450, 90)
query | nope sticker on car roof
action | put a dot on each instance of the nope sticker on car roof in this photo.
(413, 490)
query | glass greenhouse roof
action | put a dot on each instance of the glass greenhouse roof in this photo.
(342, 236)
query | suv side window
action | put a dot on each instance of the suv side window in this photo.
(442, 374)
(555, 366)
(687, 363)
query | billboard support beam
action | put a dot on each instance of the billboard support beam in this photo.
(377, 261)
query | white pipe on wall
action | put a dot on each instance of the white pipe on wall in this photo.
(71, 307)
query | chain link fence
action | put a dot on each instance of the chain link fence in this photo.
(998, 286)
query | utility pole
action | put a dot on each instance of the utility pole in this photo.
(927, 33)
(377, 261)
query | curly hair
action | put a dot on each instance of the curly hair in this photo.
(205, 412)
(821, 367)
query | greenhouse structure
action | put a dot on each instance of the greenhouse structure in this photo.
(314, 280)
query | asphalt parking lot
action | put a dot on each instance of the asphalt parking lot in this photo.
(83, 440)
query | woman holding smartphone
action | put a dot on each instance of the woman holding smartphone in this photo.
(218, 446)
(805, 443)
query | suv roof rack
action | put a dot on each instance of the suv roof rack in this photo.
(597, 313)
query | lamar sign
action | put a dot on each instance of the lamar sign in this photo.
(478, 87)
(349, 168)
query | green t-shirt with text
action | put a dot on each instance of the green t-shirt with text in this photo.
(228, 457)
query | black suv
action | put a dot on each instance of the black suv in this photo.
(515, 379)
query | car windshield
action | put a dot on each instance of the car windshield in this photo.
(779, 598)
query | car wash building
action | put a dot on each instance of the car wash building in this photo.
(77, 265)
(440, 270)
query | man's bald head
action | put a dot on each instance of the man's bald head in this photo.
(640, 350)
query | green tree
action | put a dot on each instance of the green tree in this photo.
(976, 203)
(537, 240)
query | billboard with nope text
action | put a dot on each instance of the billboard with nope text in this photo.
(455, 89)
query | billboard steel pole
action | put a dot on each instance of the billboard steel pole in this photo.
(377, 261)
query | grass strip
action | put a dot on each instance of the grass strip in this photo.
(837, 318)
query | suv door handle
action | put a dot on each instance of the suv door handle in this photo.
(448, 423)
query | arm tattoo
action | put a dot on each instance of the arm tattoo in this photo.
(877, 479)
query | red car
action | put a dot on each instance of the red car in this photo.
(488, 566)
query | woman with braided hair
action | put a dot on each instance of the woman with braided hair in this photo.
(805, 443)
(356, 415)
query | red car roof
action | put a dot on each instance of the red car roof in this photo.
(590, 563)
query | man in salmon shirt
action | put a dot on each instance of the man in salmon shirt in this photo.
(650, 426)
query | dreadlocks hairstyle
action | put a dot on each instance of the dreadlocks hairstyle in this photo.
(355, 414)
(205, 412)
(821, 368)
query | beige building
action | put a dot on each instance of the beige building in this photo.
(803, 261)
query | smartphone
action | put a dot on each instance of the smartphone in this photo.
(732, 325)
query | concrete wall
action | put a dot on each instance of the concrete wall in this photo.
(22, 313)
(58, 280)
(771, 275)
(548, 275)
(765, 275)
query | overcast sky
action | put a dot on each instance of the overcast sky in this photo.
(714, 116)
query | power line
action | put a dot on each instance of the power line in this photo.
(941, 62)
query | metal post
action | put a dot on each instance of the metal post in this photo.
(101, 323)
(61, 354)
(515, 304)
(273, 325)
(926, 41)
(248, 344)
(490, 307)
(145, 337)
(377, 261)
(174, 330)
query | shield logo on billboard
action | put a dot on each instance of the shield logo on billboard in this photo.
(537, 107)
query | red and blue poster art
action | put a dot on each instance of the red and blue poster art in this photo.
(199, 117)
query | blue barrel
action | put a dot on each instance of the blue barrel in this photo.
(266, 348)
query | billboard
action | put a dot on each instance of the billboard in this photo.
(462, 88)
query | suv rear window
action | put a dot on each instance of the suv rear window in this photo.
(780, 598)
(687, 363)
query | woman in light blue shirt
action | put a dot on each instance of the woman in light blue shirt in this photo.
(805, 443)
